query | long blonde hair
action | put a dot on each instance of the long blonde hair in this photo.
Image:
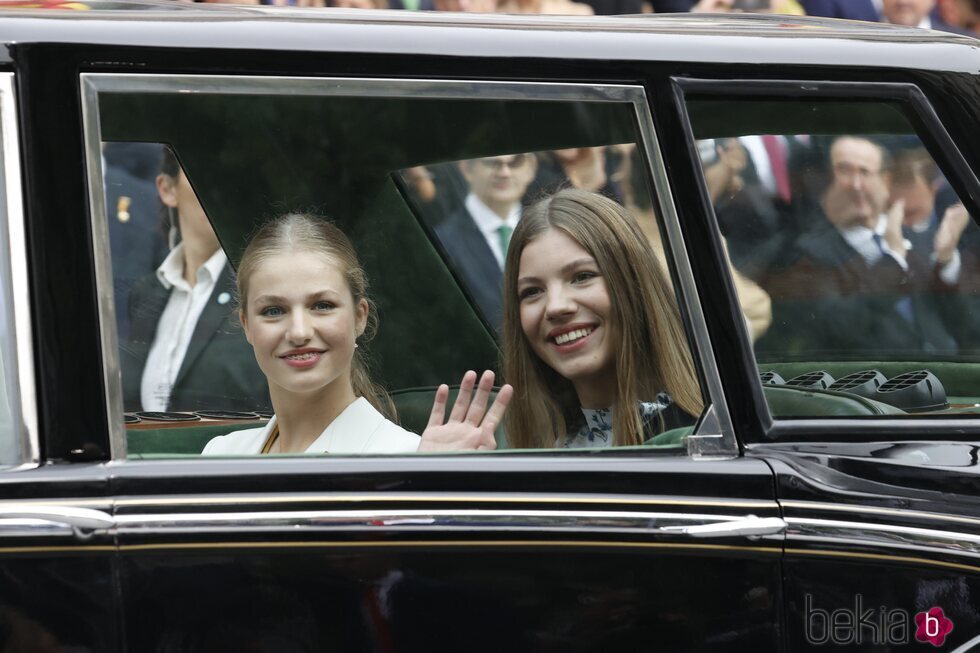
(653, 354)
(303, 232)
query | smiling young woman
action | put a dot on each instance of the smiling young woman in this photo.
(592, 335)
(303, 307)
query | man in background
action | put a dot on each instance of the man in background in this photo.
(477, 235)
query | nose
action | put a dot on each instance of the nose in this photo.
(560, 304)
(300, 330)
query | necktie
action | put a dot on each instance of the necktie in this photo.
(776, 149)
(504, 232)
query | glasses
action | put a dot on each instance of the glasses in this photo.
(848, 172)
(497, 163)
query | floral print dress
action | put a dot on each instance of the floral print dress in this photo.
(598, 426)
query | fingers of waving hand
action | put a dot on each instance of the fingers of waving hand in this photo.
(438, 415)
(462, 404)
(494, 417)
(478, 407)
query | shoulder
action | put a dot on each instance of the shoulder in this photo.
(362, 429)
(247, 441)
(388, 437)
(459, 221)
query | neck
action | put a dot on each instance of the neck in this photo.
(596, 393)
(501, 209)
(302, 417)
(196, 255)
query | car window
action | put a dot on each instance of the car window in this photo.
(428, 185)
(840, 212)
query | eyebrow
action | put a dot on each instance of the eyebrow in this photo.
(565, 269)
(275, 299)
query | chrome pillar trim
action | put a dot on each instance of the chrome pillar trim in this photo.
(651, 524)
(103, 269)
(16, 247)
(715, 435)
(905, 538)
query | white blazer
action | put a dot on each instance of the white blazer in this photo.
(359, 429)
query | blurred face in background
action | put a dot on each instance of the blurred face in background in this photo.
(906, 12)
(858, 193)
(500, 181)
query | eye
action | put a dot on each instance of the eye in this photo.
(323, 306)
(583, 276)
(528, 292)
(271, 311)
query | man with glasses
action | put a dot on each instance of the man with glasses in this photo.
(477, 235)
(855, 288)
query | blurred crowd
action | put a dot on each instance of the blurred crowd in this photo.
(960, 16)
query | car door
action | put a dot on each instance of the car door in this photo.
(676, 544)
(871, 391)
(57, 562)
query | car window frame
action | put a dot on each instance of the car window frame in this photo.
(942, 148)
(714, 434)
(22, 389)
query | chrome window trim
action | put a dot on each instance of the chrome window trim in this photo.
(655, 524)
(715, 437)
(23, 394)
(111, 370)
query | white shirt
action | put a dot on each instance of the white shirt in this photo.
(756, 148)
(360, 429)
(176, 325)
(489, 223)
(862, 240)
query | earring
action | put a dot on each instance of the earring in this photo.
(355, 345)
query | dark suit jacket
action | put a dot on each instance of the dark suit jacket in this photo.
(219, 370)
(849, 9)
(474, 263)
(830, 303)
(137, 245)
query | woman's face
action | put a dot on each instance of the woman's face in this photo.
(565, 315)
(302, 322)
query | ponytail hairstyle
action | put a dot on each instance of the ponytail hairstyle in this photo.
(652, 353)
(304, 232)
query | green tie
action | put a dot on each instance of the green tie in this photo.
(504, 232)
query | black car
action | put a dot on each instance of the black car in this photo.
(828, 494)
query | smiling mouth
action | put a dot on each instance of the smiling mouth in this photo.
(573, 336)
(302, 357)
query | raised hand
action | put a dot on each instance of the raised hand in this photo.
(470, 424)
(893, 230)
(954, 221)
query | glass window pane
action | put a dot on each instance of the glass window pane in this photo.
(839, 213)
(430, 192)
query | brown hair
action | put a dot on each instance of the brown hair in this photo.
(654, 354)
(909, 166)
(303, 232)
